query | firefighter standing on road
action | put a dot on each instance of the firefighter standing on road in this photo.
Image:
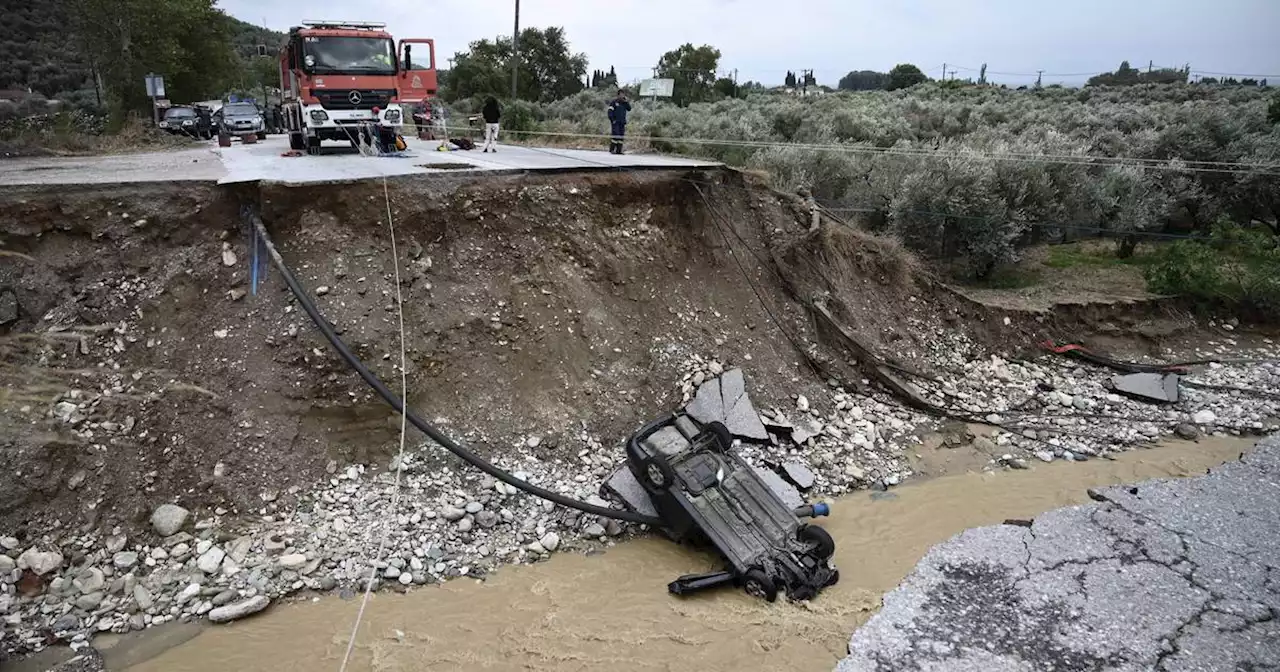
(618, 109)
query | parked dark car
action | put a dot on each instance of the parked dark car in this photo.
(243, 119)
(188, 121)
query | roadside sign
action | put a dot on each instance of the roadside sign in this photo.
(155, 86)
(657, 87)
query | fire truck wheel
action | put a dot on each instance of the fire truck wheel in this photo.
(296, 141)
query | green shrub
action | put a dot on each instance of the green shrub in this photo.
(1234, 267)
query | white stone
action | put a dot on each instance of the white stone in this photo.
(232, 612)
(168, 519)
(211, 559)
(1205, 417)
(550, 541)
(292, 560)
(40, 562)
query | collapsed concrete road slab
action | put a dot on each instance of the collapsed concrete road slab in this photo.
(1160, 388)
(725, 399)
(1160, 575)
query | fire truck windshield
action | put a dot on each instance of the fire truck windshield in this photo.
(363, 55)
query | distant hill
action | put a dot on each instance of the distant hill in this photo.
(246, 37)
(35, 52)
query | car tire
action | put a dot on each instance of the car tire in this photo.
(297, 142)
(724, 439)
(823, 545)
(835, 578)
(758, 584)
(658, 474)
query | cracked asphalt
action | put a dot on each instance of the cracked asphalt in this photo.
(1173, 575)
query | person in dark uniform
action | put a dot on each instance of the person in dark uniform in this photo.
(618, 109)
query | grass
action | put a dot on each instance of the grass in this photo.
(1009, 277)
(1094, 254)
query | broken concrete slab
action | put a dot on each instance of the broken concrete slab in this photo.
(725, 399)
(1161, 388)
(797, 474)
(623, 488)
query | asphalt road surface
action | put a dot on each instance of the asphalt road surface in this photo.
(1160, 575)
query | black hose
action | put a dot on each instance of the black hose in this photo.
(398, 404)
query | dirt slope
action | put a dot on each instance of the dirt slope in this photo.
(142, 369)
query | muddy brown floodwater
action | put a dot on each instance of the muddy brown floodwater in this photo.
(612, 611)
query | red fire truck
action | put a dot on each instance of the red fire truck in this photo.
(335, 74)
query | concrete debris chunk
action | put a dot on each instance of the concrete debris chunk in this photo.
(1161, 388)
(725, 399)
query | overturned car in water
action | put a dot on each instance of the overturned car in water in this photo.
(688, 473)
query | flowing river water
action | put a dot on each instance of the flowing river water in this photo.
(611, 610)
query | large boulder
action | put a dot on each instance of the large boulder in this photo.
(168, 519)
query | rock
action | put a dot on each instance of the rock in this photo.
(474, 507)
(116, 542)
(239, 610)
(854, 472)
(465, 524)
(8, 543)
(89, 601)
(536, 547)
(238, 549)
(292, 560)
(143, 597)
(168, 519)
(533, 442)
(7, 565)
(1044, 455)
(65, 623)
(64, 410)
(613, 528)
(593, 530)
(39, 562)
(190, 591)
(487, 519)
(802, 403)
(211, 560)
(89, 580)
(8, 307)
(1186, 432)
(452, 513)
(77, 479)
(1205, 417)
(125, 559)
(550, 541)
(228, 257)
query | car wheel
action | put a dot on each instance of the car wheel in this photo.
(835, 578)
(758, 584)
(823, 545)
(658, 474)
(723, 438)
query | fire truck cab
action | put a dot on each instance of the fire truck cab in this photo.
(334, 74)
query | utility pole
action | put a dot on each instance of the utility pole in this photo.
(944, 71)
(515, 52)
(1039, 77)
(735, 83)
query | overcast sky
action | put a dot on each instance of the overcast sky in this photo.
(765, 38)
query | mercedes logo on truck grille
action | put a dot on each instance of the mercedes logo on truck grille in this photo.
(354, 97)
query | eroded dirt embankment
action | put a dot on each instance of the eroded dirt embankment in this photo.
(142, 368)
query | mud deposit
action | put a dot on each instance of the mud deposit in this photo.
(611, 610)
